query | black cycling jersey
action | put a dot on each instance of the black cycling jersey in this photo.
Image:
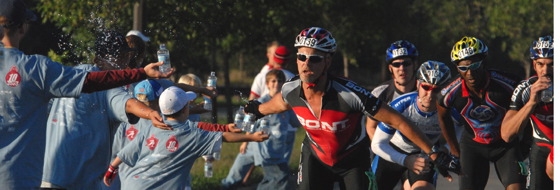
(387, 91)
(542, 117)
(541, 121)
(482, 115)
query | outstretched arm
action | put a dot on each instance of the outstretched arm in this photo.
(448, 129)
(244, 137)
(141, 110)
(393, 118)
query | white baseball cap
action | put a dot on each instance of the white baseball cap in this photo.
(173, 99)
(139, 34)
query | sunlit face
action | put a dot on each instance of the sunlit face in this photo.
(312, 63)
(427, 93)
(402, 70)
(471, 72)
(274, 85)
(543, 66)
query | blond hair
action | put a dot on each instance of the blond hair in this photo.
(190, 79)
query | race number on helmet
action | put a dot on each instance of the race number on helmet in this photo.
(542, 48)
(467, 47)
(401, 48)
(317, 38)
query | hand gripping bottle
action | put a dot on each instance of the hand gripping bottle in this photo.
(163, 55)
(211, 82)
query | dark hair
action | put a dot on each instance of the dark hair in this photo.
(136, 43)
(110, 42)
(14, 13)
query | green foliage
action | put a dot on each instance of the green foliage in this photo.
(221, 35)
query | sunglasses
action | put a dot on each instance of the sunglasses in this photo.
(311, 58)
(473, 66)
(428, 87)
(404, 63)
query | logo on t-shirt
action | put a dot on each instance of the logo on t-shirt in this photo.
(151, 142)
(131, 133)
(13, 78)
(172, 144)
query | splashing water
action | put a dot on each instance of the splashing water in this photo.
(241, 98)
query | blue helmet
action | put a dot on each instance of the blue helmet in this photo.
(401, 48)
(317, 38)
(542, 48)
(433, 72)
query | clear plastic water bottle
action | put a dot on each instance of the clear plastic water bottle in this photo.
(208, 170)
(211, 82)
(163, 55)
(248, 122)
(547, 95)
(238, 119)
(264, 125)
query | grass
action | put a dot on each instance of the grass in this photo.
(228, 154)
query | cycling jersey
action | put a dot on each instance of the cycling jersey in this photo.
(483, 115)
(427, 122)
(387, 91)
(391, 147)
(481, 141)
(337, 131)
(542, 116)
(541, 121)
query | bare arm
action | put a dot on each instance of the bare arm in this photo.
(448, 129)
(393, 118)
(515, 120)
(371, 125)
(209, 91)
(141, 110)
(275, 105)
(244, 137)
(112, 171)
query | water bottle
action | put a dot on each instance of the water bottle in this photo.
(547, 95)
(211, 82)
(239, 115)
(248, 122)
(208, 159)
(163, 55)
(264, 125)
(208, 169)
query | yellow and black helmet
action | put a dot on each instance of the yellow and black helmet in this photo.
(467, 47)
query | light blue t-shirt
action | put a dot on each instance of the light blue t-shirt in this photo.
(162, 159)
(29, 82)
(280, 143)
(79, 136)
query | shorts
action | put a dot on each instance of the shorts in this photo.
(350, 172)
(388, 174)
(476, 158)
(539, 179)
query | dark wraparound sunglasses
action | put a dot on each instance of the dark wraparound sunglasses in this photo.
(404, 63)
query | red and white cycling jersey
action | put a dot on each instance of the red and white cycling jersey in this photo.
(337, 130)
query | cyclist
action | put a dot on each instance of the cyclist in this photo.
(330, 109)
(526, 106)
(481, 96)
(402, 59)
(397, 157)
